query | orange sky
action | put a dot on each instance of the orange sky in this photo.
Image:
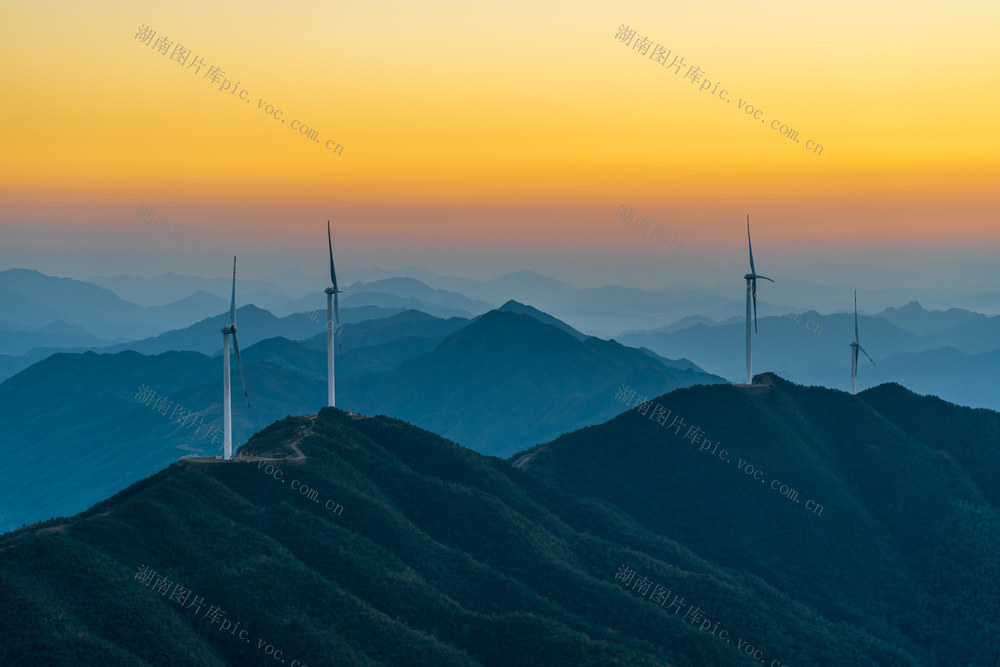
(529, 122)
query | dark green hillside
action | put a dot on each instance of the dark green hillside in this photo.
(969, 435)
(436, 556)
(902, 527)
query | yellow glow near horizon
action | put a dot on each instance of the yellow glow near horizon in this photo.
(449, 105)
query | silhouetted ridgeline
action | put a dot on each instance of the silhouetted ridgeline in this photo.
(441, 556)
(906, 545)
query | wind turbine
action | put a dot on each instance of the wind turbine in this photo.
(855, 346)
(227, 409)
(751, 279)
(332, 311)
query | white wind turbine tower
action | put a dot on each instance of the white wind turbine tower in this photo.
(855, 346)
(227, 409)
(332, 311)
(751, 279)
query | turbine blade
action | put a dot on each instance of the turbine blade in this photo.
(329, 242)
(750, 246)
(232, 302)
(339, 330)
(753, 292)
(239, 364)
(856, 339)
(762, 277)
(867, 355)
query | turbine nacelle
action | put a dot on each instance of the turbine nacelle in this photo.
(755, 277)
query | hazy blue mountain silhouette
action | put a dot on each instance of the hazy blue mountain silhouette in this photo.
(35, 299)
(952, 358)
(916, 319)
(507, 379)
(69, 405)
(411, 288)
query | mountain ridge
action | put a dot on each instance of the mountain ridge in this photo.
(440, 556)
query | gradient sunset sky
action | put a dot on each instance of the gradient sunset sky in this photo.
(483, 127)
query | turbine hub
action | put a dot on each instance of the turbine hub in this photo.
(331, 290)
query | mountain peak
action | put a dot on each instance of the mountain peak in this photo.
(513, 306)
(913, 307)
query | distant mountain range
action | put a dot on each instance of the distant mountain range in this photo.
(410, 293)
(295, 292)
(508, 379)
(950, 356)
(436, 372)
(254, 325)
(821, 287)
(39, 311)
(32, 299)
(946, 353)
(257, 324)
(342, 539)
(20, 339)
(915, 319)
